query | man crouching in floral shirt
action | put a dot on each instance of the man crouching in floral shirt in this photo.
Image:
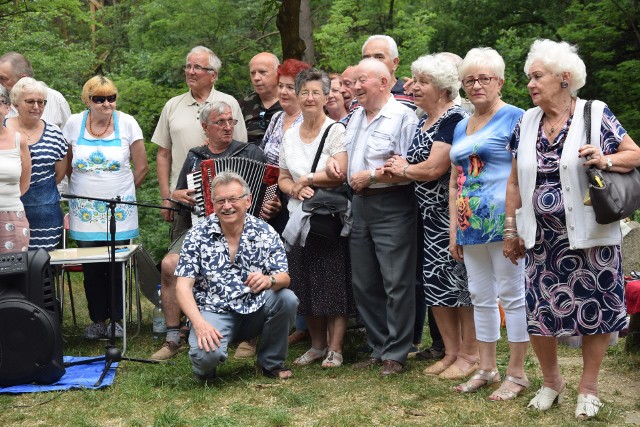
(232, 280)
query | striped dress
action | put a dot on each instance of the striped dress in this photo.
(42, 201)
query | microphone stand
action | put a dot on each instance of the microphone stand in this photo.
(112, 352)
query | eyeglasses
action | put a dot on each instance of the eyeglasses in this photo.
(5, 101)
(230, 200)
(222, 122)
(314, 93)
(263, 122)
(31, 102)
(99, 99)
(197, 68)
(483, 80)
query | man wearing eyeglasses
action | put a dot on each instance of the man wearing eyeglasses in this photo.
(232, 283)
(13, 67)
(218, 123)
(178, 129)
(259, 106)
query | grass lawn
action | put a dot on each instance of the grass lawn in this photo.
(169, 395)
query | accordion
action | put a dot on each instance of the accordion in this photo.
(261, 178)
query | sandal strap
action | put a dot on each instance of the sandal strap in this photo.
(516, 380)
(482, 375)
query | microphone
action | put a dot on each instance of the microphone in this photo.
(194, 209)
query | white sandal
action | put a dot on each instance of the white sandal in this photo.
(310, 356)
(587, 407)
(546, 397)
(333, 360)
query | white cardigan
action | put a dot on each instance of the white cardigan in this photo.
(582, 228)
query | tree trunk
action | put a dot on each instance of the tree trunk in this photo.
(306, 32)
(288, 23)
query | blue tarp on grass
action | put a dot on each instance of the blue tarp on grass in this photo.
(76, 377)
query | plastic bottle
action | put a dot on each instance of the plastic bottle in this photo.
(159, 325)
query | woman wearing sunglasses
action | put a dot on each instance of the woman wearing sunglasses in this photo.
(48, 151)
(103, 142)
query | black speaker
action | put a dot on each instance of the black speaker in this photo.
(30, 336)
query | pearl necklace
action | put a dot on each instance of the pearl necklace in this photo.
(105, 129)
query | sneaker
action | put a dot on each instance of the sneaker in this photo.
(119, 331)
(95, 330)
(168, 350)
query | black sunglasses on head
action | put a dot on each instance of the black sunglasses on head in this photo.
(100, 99)
(263, 122)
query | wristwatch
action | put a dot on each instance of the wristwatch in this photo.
(372, 177)
(310, 178)
(609, 164)
(272, 280)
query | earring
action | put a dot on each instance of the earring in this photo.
(564, 84)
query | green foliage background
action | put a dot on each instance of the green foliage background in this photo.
(142, 44)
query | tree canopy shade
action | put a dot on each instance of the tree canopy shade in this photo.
(142, 44)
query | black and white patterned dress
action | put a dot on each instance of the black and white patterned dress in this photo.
(445, 279)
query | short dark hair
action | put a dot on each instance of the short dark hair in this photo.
(313, 75)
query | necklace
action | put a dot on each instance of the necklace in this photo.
(553, 127)
(27, 134)
(105, 129)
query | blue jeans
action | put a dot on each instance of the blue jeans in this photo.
(272, 321)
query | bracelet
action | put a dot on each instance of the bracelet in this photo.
(510, 221)
(510, 235)
(404, 170)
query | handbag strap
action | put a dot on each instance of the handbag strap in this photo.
(587, 119)
(321, 146)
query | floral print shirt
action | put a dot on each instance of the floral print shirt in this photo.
(484, 164)
(219, 282)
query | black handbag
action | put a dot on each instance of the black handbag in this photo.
(326, 205)
(613, 196)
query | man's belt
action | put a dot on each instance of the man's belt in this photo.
(365, 192)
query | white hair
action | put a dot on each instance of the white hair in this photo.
(214, 61)
(480, 57)
(391, 44)
(442, 72)
(558, 57)
(27, 84)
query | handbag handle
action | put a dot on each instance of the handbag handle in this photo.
(587, 120)
(321, 146)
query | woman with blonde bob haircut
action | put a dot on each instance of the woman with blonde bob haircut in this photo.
(103, 143)
(573, 265)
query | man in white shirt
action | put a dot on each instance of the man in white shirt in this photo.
(13, 67)
(383, 235)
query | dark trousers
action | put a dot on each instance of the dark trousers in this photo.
(97, 285)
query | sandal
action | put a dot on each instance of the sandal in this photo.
(455, 373)
(489, 378)
(546, 396)
(505, 394)
(310, 356)
(276, 373)
(333, 360)
(587, 407)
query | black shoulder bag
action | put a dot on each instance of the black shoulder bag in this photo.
(326, 204)
(614, 196)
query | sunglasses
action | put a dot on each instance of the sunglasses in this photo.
(99, 99)
(263, 122)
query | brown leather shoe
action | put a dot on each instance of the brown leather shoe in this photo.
(368, 363)
(390, 367)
